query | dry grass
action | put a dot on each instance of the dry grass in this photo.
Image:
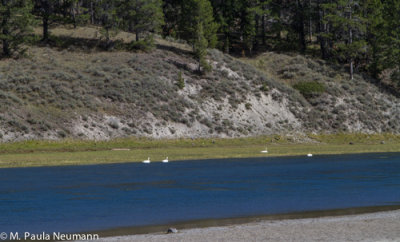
(47, 153)
(94, 32)
(78, 152)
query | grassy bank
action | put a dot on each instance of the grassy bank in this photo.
(78, 152)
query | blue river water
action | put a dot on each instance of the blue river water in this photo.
(96, 197)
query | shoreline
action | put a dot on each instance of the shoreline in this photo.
(69, 163)
(240, 221)
(177, 153)
(372, 226)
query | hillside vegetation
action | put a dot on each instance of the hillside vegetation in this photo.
(80, 92)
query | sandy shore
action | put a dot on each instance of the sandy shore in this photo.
(380, 226)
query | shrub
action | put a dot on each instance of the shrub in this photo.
(180, 82)
(126, 130)
(264, 88)
(248, 106)
(146, 44)
(114, 124)
(61, 134)
(31, 121)
(395, 77)
(309, 89)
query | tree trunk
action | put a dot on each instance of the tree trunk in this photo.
(137, 35)
(302, 36)
(199, 67)
(5, 32)
(45, 19)
(6, 45)
(257, 27)
(226, 43)
(107, 37)
(6, 49)
(130, 27)
(322, 28)
(91, 12)
(350, 42)
(45, 28)
(264, 42)
(300, 26)
(310, 22)
(351, 69)
(74, 15)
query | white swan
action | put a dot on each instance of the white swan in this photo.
(147, 161)
(166, 160)
(265, 151)
(309, 155)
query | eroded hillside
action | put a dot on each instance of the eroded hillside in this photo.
(358, 105)
(79, 93)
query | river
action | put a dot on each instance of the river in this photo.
(98, 197)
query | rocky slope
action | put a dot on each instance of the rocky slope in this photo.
(82, 93)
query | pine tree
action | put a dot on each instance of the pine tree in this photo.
(293, 18)
(247, 24)
(142, 16)
(390, 39)
(106, 13)
(195, 12)
(172, 10)
(92, 8)
(180, 82)
(200, 48)
(265, 11)
(323, 33)
(349, 29)
(373, 13)
(311, 16)
(242, 21)
(75, 12)
(15, 23)
(226, 15)
(45, 9)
